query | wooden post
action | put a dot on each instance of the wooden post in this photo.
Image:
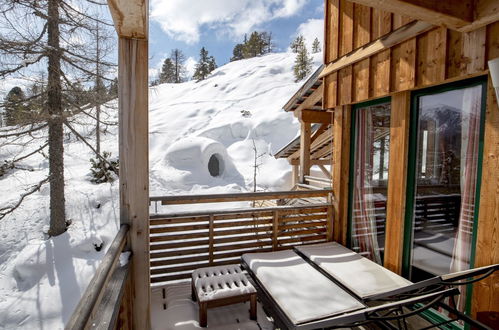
(275, 228)
(397, 179)
(485, 292)
(341, 168)
(305, 150)
(295, 175)
(134, 168)
(211, 247)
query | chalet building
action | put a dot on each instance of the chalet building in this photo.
(402, 122)
(413, 129)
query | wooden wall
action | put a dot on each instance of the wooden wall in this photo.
(434, 57)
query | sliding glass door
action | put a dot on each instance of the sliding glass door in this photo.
(369, 177)
(443, 186)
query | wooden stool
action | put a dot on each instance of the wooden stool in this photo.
(221, 286)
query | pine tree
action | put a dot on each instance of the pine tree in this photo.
(205, 65)
(168, 73)
(178, 59)
(316, 46)
(14, 107)
(237, 53)
(253, 46)
(297, 44)
(212, 64)
(303, 63)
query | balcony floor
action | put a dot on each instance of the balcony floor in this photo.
(176, 311)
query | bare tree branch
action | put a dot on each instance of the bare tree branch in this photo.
(9, 209)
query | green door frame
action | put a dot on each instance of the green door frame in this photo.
(411, 169)
(353, 131)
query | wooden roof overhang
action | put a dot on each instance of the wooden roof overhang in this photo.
(309, 96)
(462, 15)
(306, 104)
(320, 147)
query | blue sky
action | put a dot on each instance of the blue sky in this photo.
(219, 24)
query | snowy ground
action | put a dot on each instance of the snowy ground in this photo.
(41, 280)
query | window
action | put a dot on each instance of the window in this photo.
(369, 177)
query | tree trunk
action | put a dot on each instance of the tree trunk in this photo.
(55, 122)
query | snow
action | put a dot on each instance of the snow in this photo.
(176, 311)
(221, 282)
(42, 278)
(302, 292)
(361, 275)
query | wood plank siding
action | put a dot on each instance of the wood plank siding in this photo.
(372, 53)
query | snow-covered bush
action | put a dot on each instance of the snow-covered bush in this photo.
(104, 169)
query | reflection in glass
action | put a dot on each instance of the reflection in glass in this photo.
(446, 174)
(370, 175)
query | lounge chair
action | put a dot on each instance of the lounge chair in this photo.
(308, 294)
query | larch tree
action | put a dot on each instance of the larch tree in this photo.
(178, 59)
(52, 36)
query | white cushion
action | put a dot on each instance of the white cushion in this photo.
(221, 282)
(361, 275)
(303, 293)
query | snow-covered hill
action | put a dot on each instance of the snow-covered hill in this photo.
(41, 280)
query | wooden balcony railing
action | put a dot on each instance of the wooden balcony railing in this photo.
(182, 242)
(106, 303)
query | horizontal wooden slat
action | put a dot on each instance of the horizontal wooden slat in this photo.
(178, 261)
(172, 220)
(303, 239)
(175, 253)
(164, 238)
(243, 246)
(319, 216)
(304, 225)
(237, 197)
(165, 246)
(285, 209)
(244, 223)
(172, 229)
(248, 215)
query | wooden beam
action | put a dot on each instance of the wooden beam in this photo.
(295, 172)
(485, 13)
(313, 116)
(236, 197)
(312, 99)
(394, 38)
(134, 167)
(485, 292)
(451, 14)
(313, 162)
(317, 142)
(340, 166)
(304, 150)
(397, 179)
(130, 17)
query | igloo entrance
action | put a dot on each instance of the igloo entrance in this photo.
(215, 165)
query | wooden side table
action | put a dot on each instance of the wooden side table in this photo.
(221, 286)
